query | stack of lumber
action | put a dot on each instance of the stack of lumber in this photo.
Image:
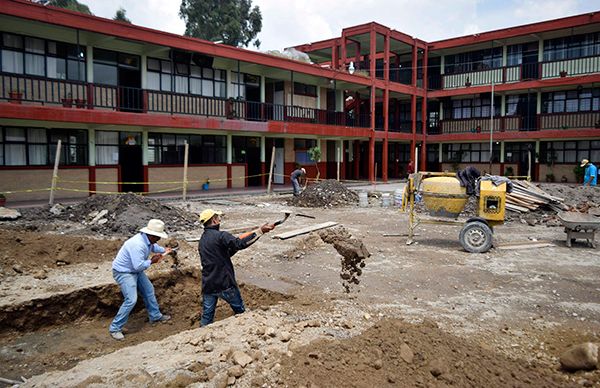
(526, 197)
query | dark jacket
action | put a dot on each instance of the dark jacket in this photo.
(216, 248)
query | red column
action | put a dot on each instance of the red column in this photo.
(92, 180)
(423, 156)
(344, 52)
(356, 159)
(335, 58)
(372, 52)
(386, 123)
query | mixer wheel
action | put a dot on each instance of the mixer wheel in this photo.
(476, 237)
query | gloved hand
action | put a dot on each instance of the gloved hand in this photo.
(267, 228)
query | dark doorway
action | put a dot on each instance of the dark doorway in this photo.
(331, 159)
(530, 67)
(130, 83)
(247, 150)
(527, 108)
(132, 169)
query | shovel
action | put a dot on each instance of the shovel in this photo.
(276, 223)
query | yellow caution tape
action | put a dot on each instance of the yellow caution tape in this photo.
(24, 191)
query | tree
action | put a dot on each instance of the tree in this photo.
(234, 22)
(120, 16)
(315, 155)
(72, 5)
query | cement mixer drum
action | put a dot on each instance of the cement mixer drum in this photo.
(443, 196)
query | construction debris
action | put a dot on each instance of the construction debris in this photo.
(327, 193)
(526, 197)
(305, 230)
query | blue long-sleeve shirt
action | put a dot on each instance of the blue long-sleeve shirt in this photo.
(591, 175)
(133, 255)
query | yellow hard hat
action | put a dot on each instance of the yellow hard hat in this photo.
(207, 214)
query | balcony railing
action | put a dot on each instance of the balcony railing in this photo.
(35, 90)
(525, 71)
(560, 121)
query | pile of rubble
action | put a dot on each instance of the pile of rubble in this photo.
(120, 215)
(327, 193)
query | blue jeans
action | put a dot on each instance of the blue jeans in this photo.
(130, 284)
(209, 303)
(296, 186)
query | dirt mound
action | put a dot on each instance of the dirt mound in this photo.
(353, 253)
(327, 193)
(28, 252)
(399, 354)
(121, 215)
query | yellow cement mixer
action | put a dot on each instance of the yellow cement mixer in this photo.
(444, 197)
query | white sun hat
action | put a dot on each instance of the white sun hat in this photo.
(155, 228)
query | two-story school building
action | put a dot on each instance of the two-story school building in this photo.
(124, 100)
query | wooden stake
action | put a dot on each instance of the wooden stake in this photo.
(271, 171)
(186, 154)
(338, 163)
(55, 172)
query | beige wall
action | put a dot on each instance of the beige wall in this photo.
(558, 170)
(107, 175)
(290, 155)
(238, 174)
(32, 179)
(196, 177)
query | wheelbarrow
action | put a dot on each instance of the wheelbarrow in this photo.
(580, 225)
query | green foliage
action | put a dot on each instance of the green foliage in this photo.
(72, 5)
(120, 16)
(579, 173)
(235, 22)
(315, 155)
(508, 171)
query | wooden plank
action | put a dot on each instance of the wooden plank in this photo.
(514, 247)
(305, 230)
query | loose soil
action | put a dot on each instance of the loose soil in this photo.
(393, 353)
(327, 193)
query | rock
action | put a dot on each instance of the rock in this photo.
(17, 268)
(99, 216)
(57, 209)
(221, 380)
(406, 353)
(209, 347)
(235, 371)
(241, 358)
(40, 274)
(437, 368)
(230, 380)
(270, 332)
(378, 364)
(9, 214)
(194, 341)
(580, 357)
(102, 221)
(347, 325)
(285, 336)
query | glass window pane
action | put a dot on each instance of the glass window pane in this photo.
(153, 81)
(34, 64)
(181, 84)
(12, 61)
(34, 45)
(36, 135)
(195, 86)
(572, 105)
(38, 154)
(153, 64)
(106, 137)
(105, 74)
(107, 155)
(73, 73)
(56, 68)
(195, 71)
(207, 88)
(15, 155)
(165, 66)
(220, 90)
(207, 73)
(13, 41)
(15, 134)
(165, 82)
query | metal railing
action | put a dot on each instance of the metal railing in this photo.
(478, 125)
(21, 89)
(569, 121)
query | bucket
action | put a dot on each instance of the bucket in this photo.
(363, 199)
(398, 197)
(385, 200)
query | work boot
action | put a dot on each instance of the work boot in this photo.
(117, 335)
(164, 318)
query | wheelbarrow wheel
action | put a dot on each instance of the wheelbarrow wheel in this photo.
(476, 237)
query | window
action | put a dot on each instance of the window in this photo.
(107, 64)
(468, 153)
(569, 151)
(107, 148)
(241, 83)
(301, 147)
(164, 148)
(39, 57)
(305, 90)
(187, 78)
(471, 108)
(571, 47)
(581, 100)
(20, 146)
(474, 61)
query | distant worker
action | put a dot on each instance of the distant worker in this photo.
(128, 270)
(295, 177)
(410, 168)
(218, 277)
(591, 173)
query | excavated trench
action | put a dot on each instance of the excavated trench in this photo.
(58, 332)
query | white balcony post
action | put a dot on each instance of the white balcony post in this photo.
(501, 152)
(89, 63)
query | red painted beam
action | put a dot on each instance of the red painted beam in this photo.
(86, 116)
(533, 28)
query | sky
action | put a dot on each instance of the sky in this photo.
(290, 23)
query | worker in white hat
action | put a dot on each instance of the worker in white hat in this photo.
(591, 173)
(295, 177)
(128, 270)
(218, 276)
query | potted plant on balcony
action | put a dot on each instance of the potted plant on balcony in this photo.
(563, 73)
(2, 200)
(80, 103)
(467, 82)
(15, 96)
(67, 102)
